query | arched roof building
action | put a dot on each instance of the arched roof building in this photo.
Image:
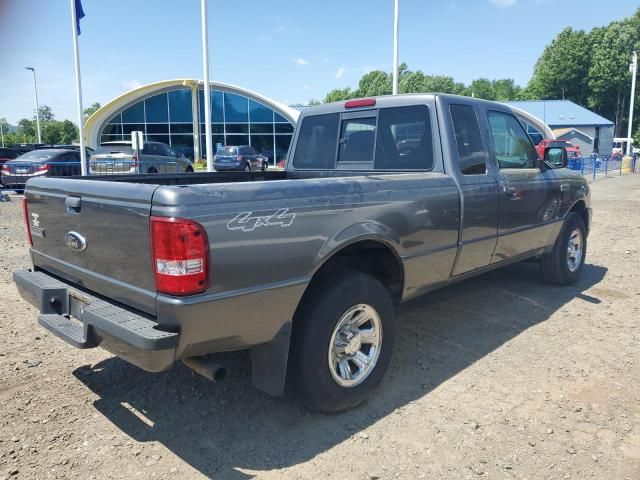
(172, 112)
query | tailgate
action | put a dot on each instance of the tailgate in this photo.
(96, 235)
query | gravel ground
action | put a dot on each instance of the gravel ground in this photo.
(497, 377)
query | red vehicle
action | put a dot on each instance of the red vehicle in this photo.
(572, 151)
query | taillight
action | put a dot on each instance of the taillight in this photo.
(44, 167)
(360, 102)
(240, 158)
(25, 215)
(5, 169)
(180, 252)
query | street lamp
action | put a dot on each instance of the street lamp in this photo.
(35, 90)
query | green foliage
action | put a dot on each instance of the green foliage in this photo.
(590, 68)
(91, 110)
(339, 94)
(314, 102)
(53, 131)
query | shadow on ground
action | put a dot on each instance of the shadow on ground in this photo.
(220, 428)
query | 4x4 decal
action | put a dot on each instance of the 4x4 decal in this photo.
(247, 222)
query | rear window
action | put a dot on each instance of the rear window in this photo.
(113, 150)
(227, 151)
(317, 142)
(37, 155)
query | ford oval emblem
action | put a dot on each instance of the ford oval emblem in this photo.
(75, 241)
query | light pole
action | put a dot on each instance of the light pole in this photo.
(2, 134)
(207, 95)
(634, 72)
(395, 47)
(35, 90)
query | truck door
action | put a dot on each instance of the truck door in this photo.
(479, 189)
(529, 196)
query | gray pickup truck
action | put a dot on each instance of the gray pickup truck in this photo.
(382, 200)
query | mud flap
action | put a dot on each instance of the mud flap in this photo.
(269, 362)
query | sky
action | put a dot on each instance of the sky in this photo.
(290, 51)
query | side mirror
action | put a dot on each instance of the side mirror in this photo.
(555, 157)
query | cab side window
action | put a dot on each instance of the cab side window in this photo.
(468, 140)
(317, 142)
(405, 139)
(512, 146)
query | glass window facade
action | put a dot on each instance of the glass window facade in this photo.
(236, 120)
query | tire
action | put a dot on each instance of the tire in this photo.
(247, 167)
(328, 302)
(264, 167)
(562, 266)
(152, 170)
(189, 169)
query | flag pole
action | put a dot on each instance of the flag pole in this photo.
(634, 72)
(207, 88)
(76, 55)
(395, 47)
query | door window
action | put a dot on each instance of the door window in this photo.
(468, 140)
(404, 139)
(511, 144)
(357, 139)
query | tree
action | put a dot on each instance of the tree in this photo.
(91, 110)
(314, 102)
(482, 88)
(64, 132)
(505, 89)
(562, 69)
(46, 114)
(337, 95)
(375, 83)
(609, 80)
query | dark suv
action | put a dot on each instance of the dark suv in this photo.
(242, 158)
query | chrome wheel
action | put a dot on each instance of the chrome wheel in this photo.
(355, 344)
(574, 250)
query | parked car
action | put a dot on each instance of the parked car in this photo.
(242, 158)
(7, 154)
(116, 158)
(38, 163)
(88, 150)
(303, 266)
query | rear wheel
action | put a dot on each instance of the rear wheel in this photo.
(189, 169)
(563, 265)
(152, 170)
(342, 342)
(247, 168)
(264, 167)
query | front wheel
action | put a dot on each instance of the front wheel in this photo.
(563, 265)
(343, 335)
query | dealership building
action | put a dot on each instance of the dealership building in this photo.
(172, 112)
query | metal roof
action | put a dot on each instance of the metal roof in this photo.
(561, 113)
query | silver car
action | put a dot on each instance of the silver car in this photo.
(117, 158)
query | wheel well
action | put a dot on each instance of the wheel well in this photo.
(581, 209)
(371, 257)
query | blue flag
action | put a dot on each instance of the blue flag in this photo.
(79, 15)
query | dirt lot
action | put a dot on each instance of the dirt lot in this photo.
(497, 377)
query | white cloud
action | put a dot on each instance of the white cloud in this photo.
(307, 87)
(131, 84)
(503, 3)
(301, 62)
(340, 72)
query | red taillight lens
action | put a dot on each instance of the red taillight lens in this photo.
(25, 215)
(180, 252)
(361, 102)
(5, 169)
(44, 167)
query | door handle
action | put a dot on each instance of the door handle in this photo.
(512, 192)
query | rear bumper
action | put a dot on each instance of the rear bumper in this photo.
(227, 167)
(86, 321)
